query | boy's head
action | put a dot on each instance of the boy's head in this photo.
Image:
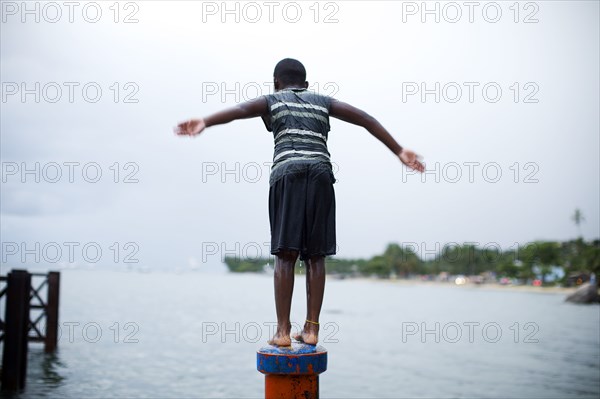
(289, 73)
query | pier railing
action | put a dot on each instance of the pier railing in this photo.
(24, 299)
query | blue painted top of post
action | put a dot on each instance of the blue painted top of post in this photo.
(296, 359)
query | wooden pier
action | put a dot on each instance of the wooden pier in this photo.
(17, 328)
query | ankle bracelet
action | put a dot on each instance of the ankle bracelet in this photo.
(312, 322)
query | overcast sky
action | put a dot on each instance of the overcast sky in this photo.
(501, 100)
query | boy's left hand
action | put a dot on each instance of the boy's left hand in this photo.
(191, 128)
(412, 160)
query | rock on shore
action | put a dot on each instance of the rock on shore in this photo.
(587, 293)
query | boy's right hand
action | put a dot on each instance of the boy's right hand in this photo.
(190, 128)
(412, 160)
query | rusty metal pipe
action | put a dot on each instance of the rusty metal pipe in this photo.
(292, 372)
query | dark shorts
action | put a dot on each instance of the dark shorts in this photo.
(302, 211)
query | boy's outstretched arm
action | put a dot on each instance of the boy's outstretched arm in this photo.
(351, 114)
(250, 109)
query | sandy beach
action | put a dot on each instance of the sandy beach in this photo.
(471, 286)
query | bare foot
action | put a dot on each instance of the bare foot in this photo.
(309, 334)
(281, 338)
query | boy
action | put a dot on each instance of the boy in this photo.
(301, 195)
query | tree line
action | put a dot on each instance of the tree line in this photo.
(535, 260)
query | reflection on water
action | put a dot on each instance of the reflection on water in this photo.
(195, 335)
(45, 373)
(50, 367)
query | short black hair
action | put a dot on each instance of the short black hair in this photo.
(290, 71)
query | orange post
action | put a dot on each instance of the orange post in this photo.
(293, 371)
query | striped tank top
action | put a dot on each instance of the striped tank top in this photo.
(299, 120)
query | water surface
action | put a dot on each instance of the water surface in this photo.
(195, 335)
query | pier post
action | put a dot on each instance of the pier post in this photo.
(51, 338)
(293, 371)
(14, 356)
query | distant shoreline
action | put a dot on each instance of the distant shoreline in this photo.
(487, 287)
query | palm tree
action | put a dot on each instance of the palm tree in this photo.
(577, 219)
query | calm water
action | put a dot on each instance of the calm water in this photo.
(195, 335)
